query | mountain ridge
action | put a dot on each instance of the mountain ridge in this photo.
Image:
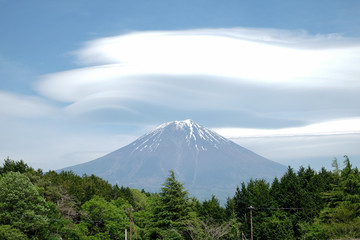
(204, 160)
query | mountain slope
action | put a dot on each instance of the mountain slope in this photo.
(206, 162)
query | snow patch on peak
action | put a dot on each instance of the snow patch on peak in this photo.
(200, 138)
(179, 124)
(189, 122)
(184, 123)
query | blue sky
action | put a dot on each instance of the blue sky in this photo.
(79, 79)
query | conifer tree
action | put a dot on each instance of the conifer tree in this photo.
(341, 217)
(171, 211)
(14, 166)
(212, 211)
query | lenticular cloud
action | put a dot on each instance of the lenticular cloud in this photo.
(174, 68)
(268, 56)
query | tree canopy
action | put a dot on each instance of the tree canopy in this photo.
(303, 204)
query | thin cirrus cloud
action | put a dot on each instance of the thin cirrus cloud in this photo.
(213, 69)
(335, 127)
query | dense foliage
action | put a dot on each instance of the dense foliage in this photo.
(303, 204)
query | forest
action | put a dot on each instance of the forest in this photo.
(302, 204)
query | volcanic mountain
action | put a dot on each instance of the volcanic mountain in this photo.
(205, 161)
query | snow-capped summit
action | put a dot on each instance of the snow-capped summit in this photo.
(205, 161)
(187, 132)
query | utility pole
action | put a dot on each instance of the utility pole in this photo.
(251, 223)
(131, 221)
(132, 225)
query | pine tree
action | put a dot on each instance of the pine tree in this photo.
(14, 166)
(341, 217)
(171, 211)
(212, 211)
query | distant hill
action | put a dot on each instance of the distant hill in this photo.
(205, 161)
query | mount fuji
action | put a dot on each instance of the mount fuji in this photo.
(204, 161)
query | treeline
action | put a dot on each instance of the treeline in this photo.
(306, 204)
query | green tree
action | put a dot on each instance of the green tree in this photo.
(276, 226)
(22, 207)
(103, 219)
(256, 194)
(212, 211)
(341, 216)
(14, 166)
(310, 194)
(241, 202)
(289, 196)
(171, 211)
(9, 233)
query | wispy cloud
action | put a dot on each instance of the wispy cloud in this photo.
(270, 56)
(267, 73)
(344, 126)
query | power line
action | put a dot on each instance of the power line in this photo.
(279, 208)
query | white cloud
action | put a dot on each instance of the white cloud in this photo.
(315, 144)
(230, 54)
(316, 151)
(259, 78)
(264, 72)
(335, 127)
(15, 105)
(270, 56)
